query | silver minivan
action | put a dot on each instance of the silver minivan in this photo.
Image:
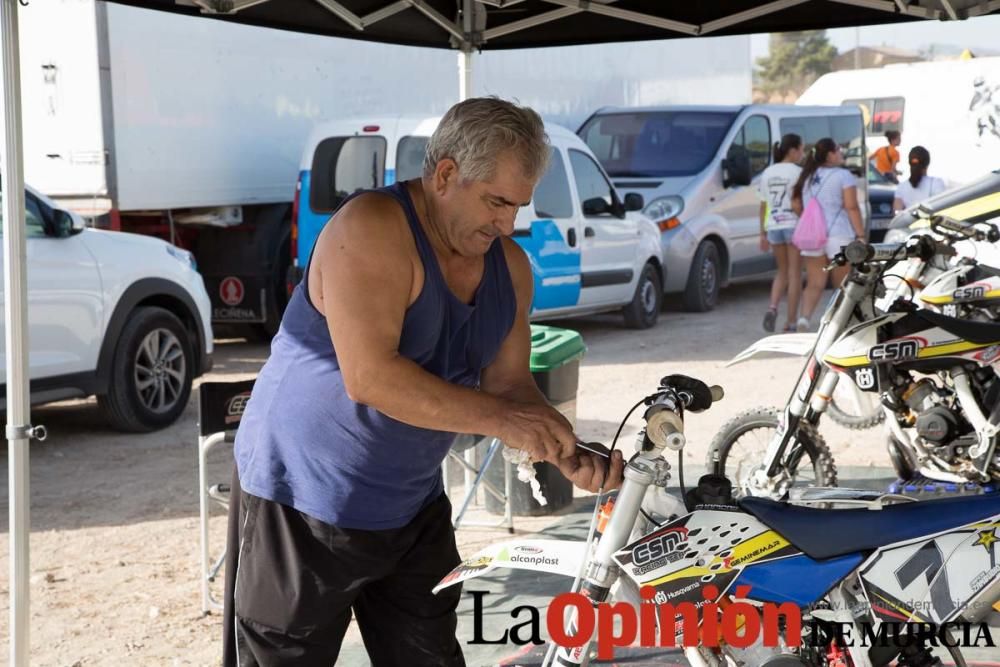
(697, 168)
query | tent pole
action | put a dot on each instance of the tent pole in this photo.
(464, 74)
(465, 53)
(16, 334)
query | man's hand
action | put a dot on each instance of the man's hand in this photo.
(590, 471)
(538, 429)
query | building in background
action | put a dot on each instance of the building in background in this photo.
(874, 56)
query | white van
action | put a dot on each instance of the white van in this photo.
(697, 167)
(951, 108)
(590, 250)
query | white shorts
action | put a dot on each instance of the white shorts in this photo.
(833, 246)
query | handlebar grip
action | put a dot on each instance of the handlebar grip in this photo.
(857, 252)
(665, 428)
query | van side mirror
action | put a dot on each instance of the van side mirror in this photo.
(736, 170)
(596, 206)
(634, 201)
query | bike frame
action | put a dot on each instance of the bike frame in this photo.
(817, 382)
(648, 468)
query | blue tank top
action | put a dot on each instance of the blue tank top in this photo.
(303, 443)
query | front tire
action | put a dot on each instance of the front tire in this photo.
(151, 372)
(855, 409)
(645, 307)
(702, 291)
(739, 448)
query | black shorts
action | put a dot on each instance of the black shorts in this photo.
(292, 583)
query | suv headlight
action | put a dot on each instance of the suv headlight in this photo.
(665, 211)
(182, 255)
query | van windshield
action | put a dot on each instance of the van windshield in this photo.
(656, 143)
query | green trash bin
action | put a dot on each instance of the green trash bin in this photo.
(555, 365)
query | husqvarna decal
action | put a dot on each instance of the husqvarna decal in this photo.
(554, 265)
(865, 378)
(933, 579)
(709, 547)
(552, 556)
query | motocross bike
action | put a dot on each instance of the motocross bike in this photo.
(795, 451)
(876, 563)
(908, 401)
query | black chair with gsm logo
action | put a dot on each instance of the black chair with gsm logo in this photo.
(220, 409)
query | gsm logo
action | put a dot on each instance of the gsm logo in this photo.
(895, 350)
(656, 548)
(969, 293)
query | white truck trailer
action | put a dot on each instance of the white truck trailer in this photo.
(952, 108)
(192, 130)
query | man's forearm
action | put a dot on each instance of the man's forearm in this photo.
(406, 392)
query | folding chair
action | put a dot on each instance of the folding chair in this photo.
(464, 453)
(220, 409)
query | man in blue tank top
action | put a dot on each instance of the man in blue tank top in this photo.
(410, 326)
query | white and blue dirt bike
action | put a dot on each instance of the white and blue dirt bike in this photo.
(867, 568)
(765, 451)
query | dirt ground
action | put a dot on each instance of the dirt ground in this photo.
(114, 543)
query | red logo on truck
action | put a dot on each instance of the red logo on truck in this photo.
(231, 291)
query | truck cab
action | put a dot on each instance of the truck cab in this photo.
(589, 248)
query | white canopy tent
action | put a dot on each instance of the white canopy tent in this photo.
(464, 25)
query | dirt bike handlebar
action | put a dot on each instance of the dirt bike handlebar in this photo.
(977, 231)
(665, 409)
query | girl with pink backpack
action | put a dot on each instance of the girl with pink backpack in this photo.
(826, 199)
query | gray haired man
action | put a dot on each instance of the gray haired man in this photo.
(410, 325)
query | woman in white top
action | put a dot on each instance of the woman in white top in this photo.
(836, 191)
(777, 222)
(920, 186)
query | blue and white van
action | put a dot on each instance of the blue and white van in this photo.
(590, 250)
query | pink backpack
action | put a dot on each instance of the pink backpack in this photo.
(812, 231)
(810, 234)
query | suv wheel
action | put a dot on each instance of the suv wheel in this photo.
(151, 372)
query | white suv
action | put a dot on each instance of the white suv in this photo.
(122, 316)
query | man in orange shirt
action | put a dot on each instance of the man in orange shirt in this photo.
(887, 157)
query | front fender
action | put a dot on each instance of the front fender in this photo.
(563, 557)
(797, 344)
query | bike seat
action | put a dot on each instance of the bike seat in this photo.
(974, 332)
(982, 271)
(826, 533)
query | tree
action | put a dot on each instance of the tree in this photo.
(795, 61)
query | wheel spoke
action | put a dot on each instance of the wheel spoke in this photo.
(160, 370)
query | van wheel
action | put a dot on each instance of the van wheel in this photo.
(151, 372)
(702, 291)
(645, 306)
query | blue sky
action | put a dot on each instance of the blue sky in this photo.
(978, 32)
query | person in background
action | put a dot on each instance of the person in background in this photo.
(887, 157)
(824, 178)
(777, 222)
(919, 186)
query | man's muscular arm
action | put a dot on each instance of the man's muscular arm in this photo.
(366, 265)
